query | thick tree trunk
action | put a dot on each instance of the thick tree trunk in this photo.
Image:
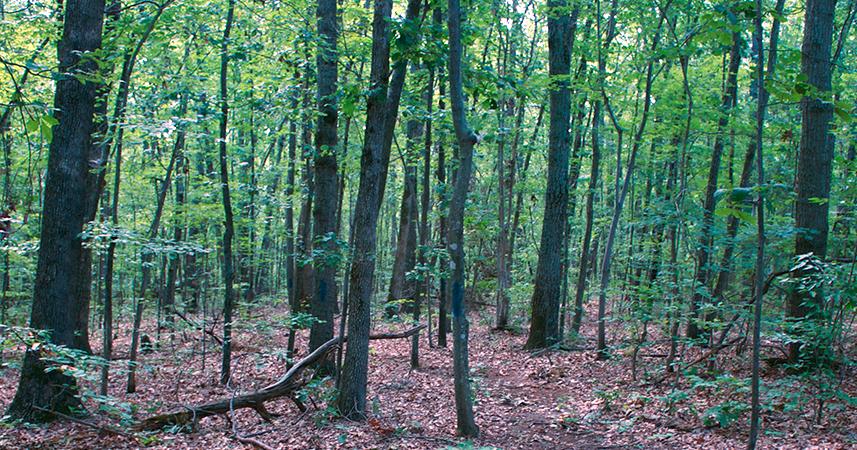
(544, 326)
(382, 109)
(55, 307)
(815, 157)
(326, 265)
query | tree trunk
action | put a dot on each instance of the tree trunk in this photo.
(402, 288)
(229, 226)
(423, 288)
(724, 276)
(58, 278)
(815, 156)
(294, 306)
(146, 257)
(382, 109)
(178, 226)
(760, 222)
(617, 211)
(705, 244)
(455, 235)
(544, 326)
(326, 186)
(443, 299)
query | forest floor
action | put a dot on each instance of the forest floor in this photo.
(554, 400)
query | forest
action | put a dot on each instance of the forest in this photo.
(428, 224)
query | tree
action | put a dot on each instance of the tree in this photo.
(759, 286)
(56, 309)
(382, 108)
(455, 233)
(229, 226)
(326, 178)
(703, 251)
(623, 192)
(815, 155)
(544, 327)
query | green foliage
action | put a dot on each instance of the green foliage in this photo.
(724, 414)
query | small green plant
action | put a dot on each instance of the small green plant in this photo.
(608, 398)
(724, 414)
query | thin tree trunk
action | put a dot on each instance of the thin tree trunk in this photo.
(760, 224)
(455, 235)
(724, 276)
(423, 285)
(617, 212)
(294, 306)
(146, 257)
(229, 226)
(704, 245)
(443, 299)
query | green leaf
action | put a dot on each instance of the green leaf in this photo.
(32, 125)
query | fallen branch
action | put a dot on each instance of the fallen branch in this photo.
(104, 428)
(244, 439)
(199, 327)
(702, 358)
(286, 386)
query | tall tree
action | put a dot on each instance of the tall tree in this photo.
(56, 308)
(455, 234)
(382, 109)
(229, 226)
(544, 326)
(815, 155)
(326, 178)
(704, 246)
(759, 284)
(623, 191)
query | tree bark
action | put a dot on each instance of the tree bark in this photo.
(382, 109)
(455, 235)
(55, 307)
(229, 227)
(815, 155)
(544, 326)
(326, 186)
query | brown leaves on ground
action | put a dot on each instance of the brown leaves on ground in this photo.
(555, 400)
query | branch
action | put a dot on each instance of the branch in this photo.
(286, 386)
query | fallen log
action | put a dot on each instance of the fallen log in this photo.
(286, 386)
